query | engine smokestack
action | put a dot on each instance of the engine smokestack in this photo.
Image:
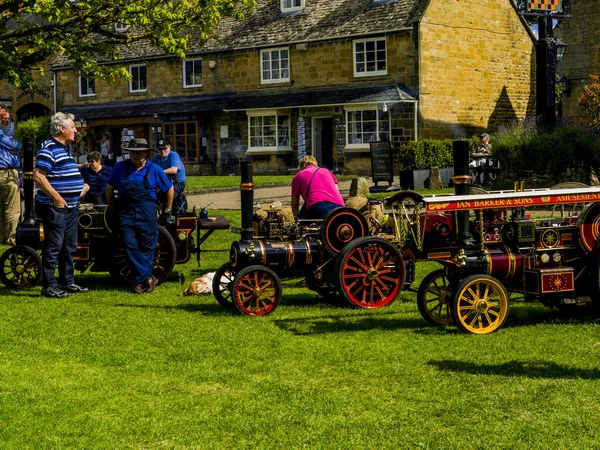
(29, 216)
(462, 181)
(247, 199)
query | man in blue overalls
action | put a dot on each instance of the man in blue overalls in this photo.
(137, 181)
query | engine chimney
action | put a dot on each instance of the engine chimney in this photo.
(462, 181)
(247, 199)
(29, 216)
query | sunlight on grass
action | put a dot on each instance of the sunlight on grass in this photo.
(111, 369)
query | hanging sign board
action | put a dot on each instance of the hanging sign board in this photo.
(382, 162)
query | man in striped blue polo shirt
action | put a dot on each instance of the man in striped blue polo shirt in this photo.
(60, 184)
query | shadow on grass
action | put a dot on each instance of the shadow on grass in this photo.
(348, 323)
(530, 369)
(212, 309)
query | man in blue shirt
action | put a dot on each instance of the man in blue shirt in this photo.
(95, 177)
(173, 168)
(10, 197)
(60, 184)
(137, 181)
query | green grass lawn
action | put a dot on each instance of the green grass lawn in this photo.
(114, 370)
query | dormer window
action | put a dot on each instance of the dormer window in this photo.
(120, 27)
(292, 5)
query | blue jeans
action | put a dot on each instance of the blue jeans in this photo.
(60, 243)
(139, 230)
(317, 211)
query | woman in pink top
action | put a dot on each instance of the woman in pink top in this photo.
(318, 188)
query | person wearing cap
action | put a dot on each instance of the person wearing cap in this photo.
(484, 146)
(480, 161)
(137, 181)
(57, 176)
(172, 166)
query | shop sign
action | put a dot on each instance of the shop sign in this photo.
(320, 110)
(181, 118)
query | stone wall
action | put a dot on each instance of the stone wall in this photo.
(322, 65)
(477, 67)
(581, 33)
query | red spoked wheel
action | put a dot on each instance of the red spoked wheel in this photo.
(370, 272)
(256, 291)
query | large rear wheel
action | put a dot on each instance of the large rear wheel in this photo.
(480, 305)
(164, 259)
(370, 272)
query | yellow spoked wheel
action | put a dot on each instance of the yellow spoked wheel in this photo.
(480, 305)
(434, 298)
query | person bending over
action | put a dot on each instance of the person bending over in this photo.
(318, 188)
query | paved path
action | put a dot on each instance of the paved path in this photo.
(230, 198)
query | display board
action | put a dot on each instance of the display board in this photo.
(382, 162)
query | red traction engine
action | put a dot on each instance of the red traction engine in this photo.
(336, 256)
(501, 246)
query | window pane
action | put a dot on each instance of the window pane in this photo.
(191, 148)
(191, 127)
(179, 128)
(169, 130)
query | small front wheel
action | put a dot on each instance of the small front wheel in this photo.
(480, 305)
(256, 291)
(434, 298)
(21, 267)
(221, 285)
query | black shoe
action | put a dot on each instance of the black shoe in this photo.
(74, 288)
(54, 292)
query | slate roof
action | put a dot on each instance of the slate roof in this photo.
(234, 102)
(320, 20)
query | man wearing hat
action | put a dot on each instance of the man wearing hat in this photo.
(481, 160)
(484, 146)
(173, 168)
(137, 181)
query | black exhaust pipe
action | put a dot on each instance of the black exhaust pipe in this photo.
(247, 199)
(29, 216)
(462, 181)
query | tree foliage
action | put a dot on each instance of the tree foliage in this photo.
(589, 100)
(31, 31)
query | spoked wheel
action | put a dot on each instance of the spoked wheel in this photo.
(256, 291)
(21, 267)
(480, 305)
(434, 298)
(221, 285)
(371, 272)
(164, 259)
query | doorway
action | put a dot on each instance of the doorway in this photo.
(322, 141)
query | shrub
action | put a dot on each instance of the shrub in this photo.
(37, 128)
(570, 150)
(426, 153)
(589, 100)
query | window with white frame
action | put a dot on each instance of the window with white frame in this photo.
(370, 57)
(269, 131)
(275, 65)
(120, 27)
(87, 87)
(138, 78)
(292, 5)
(192, 72)
(367, 125)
